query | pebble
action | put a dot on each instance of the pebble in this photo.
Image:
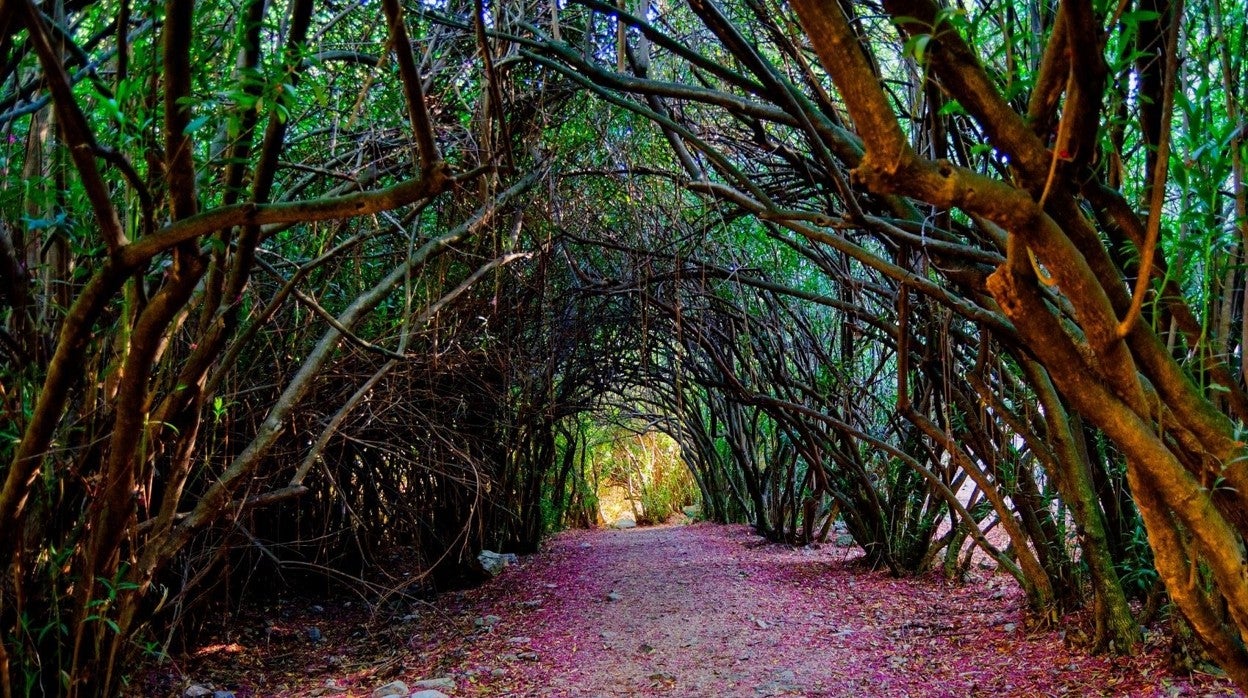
(429, 694)
(198, 691)
(314, 634)
(331, 688)
(394, 688)
(440, 683)
(614, 596)
(527, 656)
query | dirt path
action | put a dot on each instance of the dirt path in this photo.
(711, 611)
(644, 610)
(706, 610)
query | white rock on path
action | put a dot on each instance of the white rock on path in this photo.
(494, 563)
(429, 694)
(442, 683)
(487, 621)
(394, 688)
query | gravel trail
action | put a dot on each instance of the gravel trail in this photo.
(697, 611)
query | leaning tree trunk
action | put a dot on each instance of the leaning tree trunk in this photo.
(1187, 470)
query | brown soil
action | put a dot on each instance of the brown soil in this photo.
(697, 610)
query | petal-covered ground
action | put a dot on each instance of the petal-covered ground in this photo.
(698, 610)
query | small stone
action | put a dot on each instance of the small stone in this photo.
(531, 603)
(317, 608)
(196, 691)
(645, 648)
(527, 656)
(614, 596)
(487, 621)
(314, 634)
(762, 624)
(223, 694)
(1009, 627)
(331, 688)
(845, 541)
(493, 563)
(625, 522)
(518, 640)
(335, 661)
(585, 545)
(498, 673)
(442, 683)
(394, 688)
(778, 687)
(429, 694)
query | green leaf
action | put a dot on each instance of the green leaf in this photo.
(1137, 16)
(916, 46)
(196, 124)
